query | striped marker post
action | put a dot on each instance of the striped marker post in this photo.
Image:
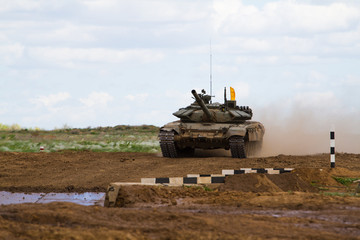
(332, 147)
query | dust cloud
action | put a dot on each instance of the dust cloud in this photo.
(307, 131)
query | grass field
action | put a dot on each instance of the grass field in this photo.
(120, 138)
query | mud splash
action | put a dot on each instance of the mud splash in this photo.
(86, 199)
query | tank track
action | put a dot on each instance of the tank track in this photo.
(237, 147)
(167, 144)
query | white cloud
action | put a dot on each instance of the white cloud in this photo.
(139, 97)
(18, 5)
(228, 11)
(257, 59)
(217, 68)
(178, 98)
(316, 76)
(303, 59)
(69, 56)
(312, 18)
(64, 32)
(3, 108)
(348, 38)
(198, 49)
(293, 45)
(33, 5)
(270, 46)
(97, 99)
(351, 80)
(282, 16)
(315, 80)
(3, 37)
(254, 44)
(9, 54)
(245, 44)
(303, 49)
(147, 11)
(50, 100)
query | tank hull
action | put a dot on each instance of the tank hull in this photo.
(243, 139)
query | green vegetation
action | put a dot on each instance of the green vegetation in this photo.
(206, 188)
(345, 180)
(13, 127)
(102, 139)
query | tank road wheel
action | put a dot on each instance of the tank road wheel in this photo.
(237, 147)
(167, 144)
(253, 148)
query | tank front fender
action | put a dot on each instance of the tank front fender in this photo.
(236, 131)
(256, 132)
(172, 126)
(176, 129)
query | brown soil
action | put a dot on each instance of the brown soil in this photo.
(252, 206)
(150, 196)
(91, 171)
(267, 183)
(71, 221)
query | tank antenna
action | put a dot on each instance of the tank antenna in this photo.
(210, 73)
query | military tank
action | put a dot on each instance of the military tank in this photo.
(207, 125)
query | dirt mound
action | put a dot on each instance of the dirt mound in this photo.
(267, 183)
(128, 196)
(342, 172)
(300, 180)
(319, 177)
(179, 197)
(297, 181)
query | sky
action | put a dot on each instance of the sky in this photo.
(89, 63)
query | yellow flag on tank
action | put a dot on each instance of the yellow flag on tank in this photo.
(232, 94)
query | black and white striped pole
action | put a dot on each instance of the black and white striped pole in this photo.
(332, 147)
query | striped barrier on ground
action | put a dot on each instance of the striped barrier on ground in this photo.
(257, 170)
(210, 178)
(184, 180)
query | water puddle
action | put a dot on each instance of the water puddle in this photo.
(86, 199)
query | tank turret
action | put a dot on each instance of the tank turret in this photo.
(204, 111)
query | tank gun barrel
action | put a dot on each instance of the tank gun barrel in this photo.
(202, 105)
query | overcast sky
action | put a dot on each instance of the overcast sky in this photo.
(106, 62)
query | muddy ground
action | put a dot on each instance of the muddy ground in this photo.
(307, 203)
